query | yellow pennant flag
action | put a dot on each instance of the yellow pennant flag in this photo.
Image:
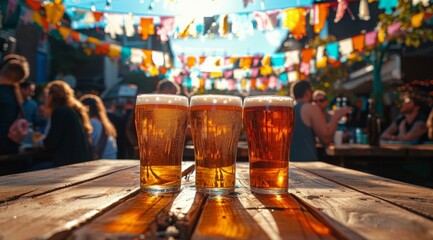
(416, 20)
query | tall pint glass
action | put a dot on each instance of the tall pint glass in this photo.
(161, 122)
(216, 122)
(269, 123)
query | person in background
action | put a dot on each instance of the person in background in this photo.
(319, 99)
(104, 133)
(30, 106)
(310, 122)
(13, 71)
(68, 137)
(410, 125)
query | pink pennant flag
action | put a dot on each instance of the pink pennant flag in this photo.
(166, 28)
(254, 72)
(370, 38)
(205, 75)
(394, 29)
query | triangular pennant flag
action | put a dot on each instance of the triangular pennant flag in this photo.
(321, 12)
(358, 43)
(294, 20)
(370, 39)
(306, 55)
(292, 58)
(346, 48)
(146, 28)
(332, 50)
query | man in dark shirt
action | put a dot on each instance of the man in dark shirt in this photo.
(410, 126)
(13, 70)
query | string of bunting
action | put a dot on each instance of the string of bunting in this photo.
(276, 70)
(153, 62)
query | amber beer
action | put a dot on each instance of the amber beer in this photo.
(269, 123)
(216, 122)
(161, 122)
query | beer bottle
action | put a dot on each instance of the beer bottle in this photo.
(373, 125)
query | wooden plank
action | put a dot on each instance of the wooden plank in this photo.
(55, 213)
(35, 183)
(366, 215)
(412, 197)
(366, 150)
(255, 216)
(149, 216)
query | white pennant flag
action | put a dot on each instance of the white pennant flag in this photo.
(346, 47)
(129, 25)
(114, 25)
(158, 58)
(137, 55)
(292, 58)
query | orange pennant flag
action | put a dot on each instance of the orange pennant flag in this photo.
(201, 59)
(97, 16)
(358, 43)
(416, 20)
(147, 58)
(102, 49)
(294, 20)
(75, 36)
(147, 27)
(307, 55)
(246, 62)
(93, 40)
(321, 12)
(54, 12)
(191, 61)
(114, 51)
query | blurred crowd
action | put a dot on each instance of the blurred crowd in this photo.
(69, 128)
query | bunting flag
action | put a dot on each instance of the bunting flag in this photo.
(370, 39)
(114, 25)
(294, 20)
(292, 58)
(364, 12)
(129, 25)
(146, 28)
(341, 9)
(166, 28)
(346, 48)
(388, 5)
(224, 25)
(416, 20)
(321, 12)
(54, 11)
(321, 59)
(358, 43)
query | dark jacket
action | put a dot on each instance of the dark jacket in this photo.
(67, 141)
(9, 110)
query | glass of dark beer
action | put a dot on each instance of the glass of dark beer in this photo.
(216, 122)
(161, 122)
(268, 123)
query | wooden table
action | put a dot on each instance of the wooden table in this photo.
(101, 200)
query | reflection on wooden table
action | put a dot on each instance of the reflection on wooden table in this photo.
(101, 200)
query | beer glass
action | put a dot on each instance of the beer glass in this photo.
(269, 123)
(161, 122)
(216, 122)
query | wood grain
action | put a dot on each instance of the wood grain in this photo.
(55, 213)
(35, 183)
(367, 216)
(412, 197)
(253, 216)
(149, 216)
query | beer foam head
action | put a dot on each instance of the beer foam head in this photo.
(164, 99)
(257, 101)
(220, 100)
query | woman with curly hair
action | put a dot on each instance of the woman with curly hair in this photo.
(104, 134)
(67, 139)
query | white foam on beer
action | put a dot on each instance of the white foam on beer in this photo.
(258, 101)
(165, 99)
(220, 100)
